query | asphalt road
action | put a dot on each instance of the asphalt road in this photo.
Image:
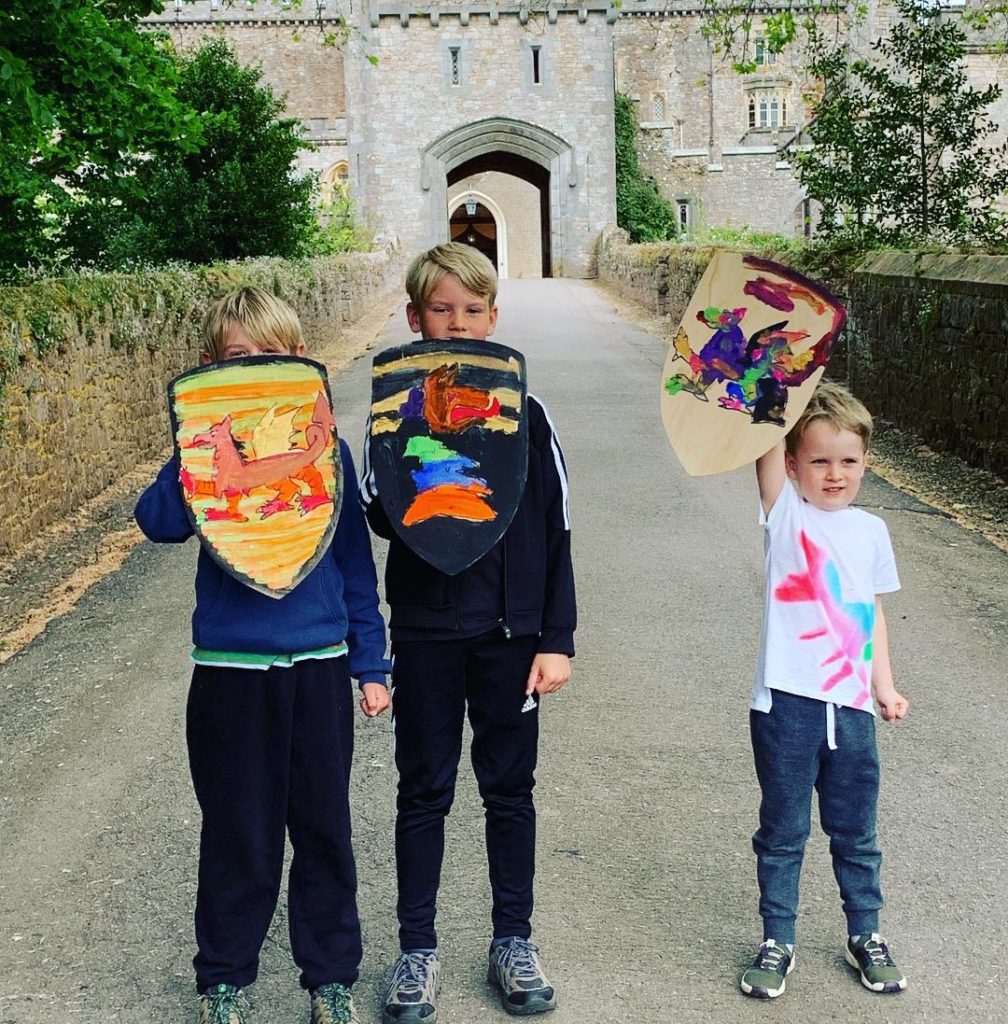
(646, 893)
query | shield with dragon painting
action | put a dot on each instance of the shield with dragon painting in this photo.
(752, 345)
(260, 465)
(449, 445)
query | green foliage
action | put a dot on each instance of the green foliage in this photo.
(79, 87)
(236, 196)
(730, 26)
(641, 210)
(898, 140)
(337, 231)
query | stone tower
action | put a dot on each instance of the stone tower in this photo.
(508, 107)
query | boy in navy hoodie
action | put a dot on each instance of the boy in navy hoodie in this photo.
(269, 727)
(494, 638)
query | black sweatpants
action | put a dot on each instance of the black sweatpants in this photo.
(270, 752)
(433, 681)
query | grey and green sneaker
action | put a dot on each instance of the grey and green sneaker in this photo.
(332, 1004)
(869, 955)
(412, 989)
(766, 978)
(515, 971)
(223, 1004)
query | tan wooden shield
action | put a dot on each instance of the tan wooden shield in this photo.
(753, 342)
(260, 466)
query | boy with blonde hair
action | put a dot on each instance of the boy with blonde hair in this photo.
(823, 665)
(269, 726)
(494, 638)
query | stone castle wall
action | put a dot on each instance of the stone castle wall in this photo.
(93, 406)
(696, 141)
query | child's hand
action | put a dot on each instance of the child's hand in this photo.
(374, 699)
(549, 673)
(892, 704)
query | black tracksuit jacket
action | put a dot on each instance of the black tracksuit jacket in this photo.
(523, 586)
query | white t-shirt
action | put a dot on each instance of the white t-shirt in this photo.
(823, 571)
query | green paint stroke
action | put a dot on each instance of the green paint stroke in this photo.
(427, 449)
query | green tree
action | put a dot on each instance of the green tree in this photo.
(237, 195)
(80, 88)
(641, 210)
(899, 150)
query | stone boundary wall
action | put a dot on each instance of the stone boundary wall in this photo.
(926, 347)
(84, 366)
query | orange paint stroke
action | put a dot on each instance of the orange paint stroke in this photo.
(451, 500)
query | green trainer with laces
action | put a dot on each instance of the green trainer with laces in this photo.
(332, 1004)
(517, 974)
(411, 995)
(869, 955)
(766, 979)
(223, 1004)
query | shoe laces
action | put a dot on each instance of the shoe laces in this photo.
(878, 953)
(770, 956)
(518, 957)
(224, 1005)
(335, 1003)
(412, 974)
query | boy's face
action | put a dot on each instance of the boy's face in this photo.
(452, 311)
(828, 466)
(237, 343)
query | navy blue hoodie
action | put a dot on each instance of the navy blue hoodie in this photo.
(337, 601)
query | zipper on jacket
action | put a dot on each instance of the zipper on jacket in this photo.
(502, 622)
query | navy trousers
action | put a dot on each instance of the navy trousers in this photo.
(793, 758)
(270, 753)
(433, 682)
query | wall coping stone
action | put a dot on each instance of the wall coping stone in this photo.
(969, 274)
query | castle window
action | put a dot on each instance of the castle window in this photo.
(658, 107)
(764, 56)
(684, 215)
(767, 108)
(455, 65)
(536, 65)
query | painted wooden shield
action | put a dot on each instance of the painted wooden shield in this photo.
(260, 466)
(752, 345)
(449, 445)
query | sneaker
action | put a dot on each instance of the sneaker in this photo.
(869, 955)
(765, 979)
(332, 1004)
(223, 1004)
(517, 974)
(412, 989)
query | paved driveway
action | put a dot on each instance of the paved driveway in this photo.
(646, 896)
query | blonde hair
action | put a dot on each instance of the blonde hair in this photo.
(473, 270)
(838, 407)
(264, 318)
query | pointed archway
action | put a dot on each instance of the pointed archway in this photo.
(513, 147)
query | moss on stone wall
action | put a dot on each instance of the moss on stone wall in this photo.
(84, 364)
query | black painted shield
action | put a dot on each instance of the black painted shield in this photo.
(261, 474)
(449, 445)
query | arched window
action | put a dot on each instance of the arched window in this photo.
(752, 112)
(774, 112)
(658, 107)
(763, 111)
(333, 177)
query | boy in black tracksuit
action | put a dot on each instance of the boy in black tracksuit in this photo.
(494, 638)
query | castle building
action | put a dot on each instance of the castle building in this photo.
(493, 122)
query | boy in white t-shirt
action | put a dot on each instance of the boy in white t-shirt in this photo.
(824, 663)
